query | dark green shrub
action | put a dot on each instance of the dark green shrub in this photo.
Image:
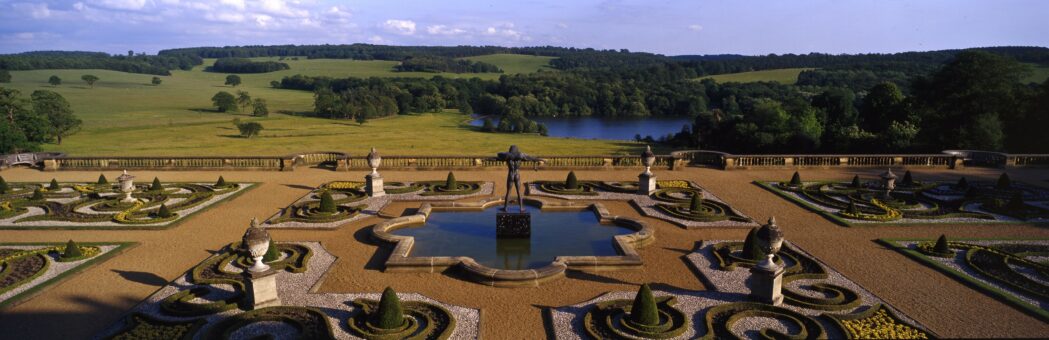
(156, 185)
(907, 179)
(644, 311)
(697, 202)
(962, 184)
(852, 209)
(3, 186)
(272, 254)
(1016, 203)
(856, 181)
(54, 185)
(795, 180)
(390, 314)
(571, 182)
(221, 182)
(941, 245)
(72, 251)
(1004, 182)
(327, 203)
(450, 183)
(163, 212)
(102, 179)
(751, 248)
(37, 195)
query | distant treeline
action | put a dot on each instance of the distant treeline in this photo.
(157, 65)
(242, 65)
(443, 64)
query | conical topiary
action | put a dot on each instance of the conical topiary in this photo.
(1004, 182)
(3, 186)
(856, 181)
(751, 249)
(390, 315)
(156, 185)
(644, 311)
(907, 179)
(852, 209)
(795, 180)
(38, 194)
(221, 182)
(72, 250)
(54, 185)
(327, 203)
(272, 254)
(450, 183)
(571, 183)
(697, 202)
(102, 179)
(941, 245)
(962, 184)
(163, 211)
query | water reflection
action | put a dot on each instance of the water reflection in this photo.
(607, 128)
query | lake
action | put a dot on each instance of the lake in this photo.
(607, 128)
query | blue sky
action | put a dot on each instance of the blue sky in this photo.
(666, 27)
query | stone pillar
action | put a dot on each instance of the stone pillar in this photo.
(766, 284)
(646, 183)
(262, 289)
(373, 185)
(50, 165)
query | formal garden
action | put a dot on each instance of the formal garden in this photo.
(1015, 271)
(105, 205)
(909, 200)
(26, 269)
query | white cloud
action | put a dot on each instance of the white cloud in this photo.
(238, 4)
(405, 27)
(263, 20)
(444, 30)
(120, 4)
(281, 8)
(503, 32)
(78, 6)
(225, 17)
(376, 39)
(695, 27)
(36, 11)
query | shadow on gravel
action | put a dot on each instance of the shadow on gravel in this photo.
(82, 318)
(142, 277)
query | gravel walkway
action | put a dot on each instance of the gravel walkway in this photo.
(300, 290)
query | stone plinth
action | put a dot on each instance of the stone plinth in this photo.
(646, 183)
(373, 185)
(766, 284)
(262, 289)
(513, 224)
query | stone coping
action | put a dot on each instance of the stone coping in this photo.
(400, 259)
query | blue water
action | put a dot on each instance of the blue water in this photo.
(472, 233)
(607, 128)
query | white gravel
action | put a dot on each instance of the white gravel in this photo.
(300, 290)
(54, 268)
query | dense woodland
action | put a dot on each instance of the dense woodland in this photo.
(133, 63)
(42, 117)
(443, 64)
(242, 65)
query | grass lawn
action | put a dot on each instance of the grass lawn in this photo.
(1039, 74)
(516, 63)
(124, 115)
(783, 76)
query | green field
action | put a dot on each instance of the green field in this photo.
(782, 76)
(1039, 74)
(124, 115)
(516, 63)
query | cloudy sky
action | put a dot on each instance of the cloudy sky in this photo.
(666, 27)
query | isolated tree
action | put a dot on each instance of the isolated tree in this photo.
(361, 118)
(795, 179)
(54, 81)
(90, 79)
(856, 181)
(59, 114)
(156, 81)
(1004, 182)
(5, 77)
(249, 129)
(259, 108)
(243, 100)
(233, 80)
(751, 249)
(224, 102)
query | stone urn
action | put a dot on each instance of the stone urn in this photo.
(257, 241)
(770, 237)
(648, 159)
(889, 182)
(127, 186)
(374, 160)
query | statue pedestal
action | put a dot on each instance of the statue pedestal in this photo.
(262, 289)
(646, 183)
(373, 185)
(127, 198)
(766, 284)
(513, 224)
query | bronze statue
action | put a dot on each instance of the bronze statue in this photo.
(513, 159)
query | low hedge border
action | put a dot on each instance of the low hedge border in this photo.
(144, 326)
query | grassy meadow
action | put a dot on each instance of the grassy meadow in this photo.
(125, 115)
(782, 76)
(1039, 74)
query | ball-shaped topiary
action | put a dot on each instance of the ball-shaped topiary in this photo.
(54, 185)
(751, 247)
(38, 194)
(72, 251)
(941, 245)
(697, 202)
(221, 182)
(156, 185)
(571, 183)
(856, 181)
(3, 186)
(390, 314)
(327, 203)
(450, 183)
(163, 211)
(795, 180)
(272, 253)
(1004, 182)
(102, 179)
(644, 311)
